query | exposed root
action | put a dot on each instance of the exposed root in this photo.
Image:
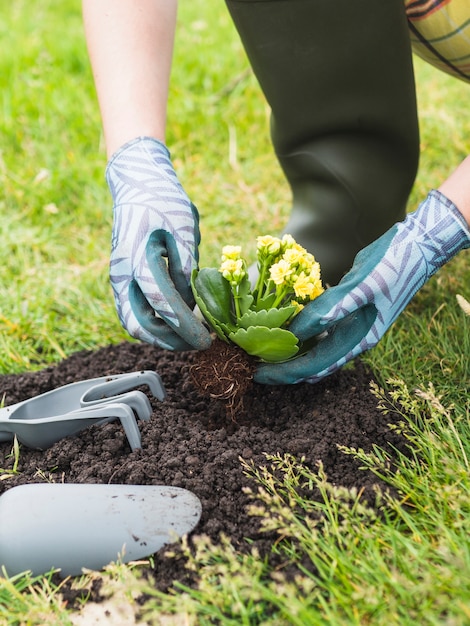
(224, 372)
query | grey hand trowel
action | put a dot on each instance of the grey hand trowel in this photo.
(75, 526)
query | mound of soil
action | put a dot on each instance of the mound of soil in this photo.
(191, 443)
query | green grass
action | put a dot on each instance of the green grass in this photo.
(408, 565)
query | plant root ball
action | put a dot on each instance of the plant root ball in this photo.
(224, 372)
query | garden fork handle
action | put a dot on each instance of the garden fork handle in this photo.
(120, 383)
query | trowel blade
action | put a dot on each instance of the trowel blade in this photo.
(75, 526)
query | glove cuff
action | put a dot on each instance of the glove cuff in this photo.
(135, 164)
(139, 145)
(450, 227)
(456, 215)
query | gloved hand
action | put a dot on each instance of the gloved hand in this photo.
(154, 248)
(384, 278)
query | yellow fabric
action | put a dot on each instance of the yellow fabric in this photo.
(440, 33)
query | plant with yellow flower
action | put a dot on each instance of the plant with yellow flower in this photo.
(257, 319)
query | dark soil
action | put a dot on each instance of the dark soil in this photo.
(190, 442)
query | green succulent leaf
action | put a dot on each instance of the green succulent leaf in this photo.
(266, 302)
(213, 297)
(269, 344)
(272, 318)
(211, 287)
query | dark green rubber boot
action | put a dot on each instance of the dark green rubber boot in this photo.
(338, 77)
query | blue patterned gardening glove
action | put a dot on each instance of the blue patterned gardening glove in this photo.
(154, 248)
(384, 278)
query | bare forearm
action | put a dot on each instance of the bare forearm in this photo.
(457, 188)
(130, 44)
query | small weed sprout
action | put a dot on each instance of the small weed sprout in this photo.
(15, 454)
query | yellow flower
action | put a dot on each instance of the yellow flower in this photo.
(280, 272)
(231, 252)
(317, 289)
(308, 262)
(302, 286)
(288, 242)
(232, 270)
(307, 287)
(315, 272)
(268, 246)
(298, 306)
(293, 256)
